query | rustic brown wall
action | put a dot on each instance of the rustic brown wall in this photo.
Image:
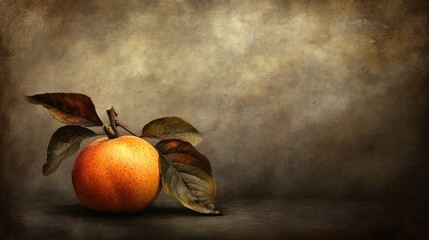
(295, 98)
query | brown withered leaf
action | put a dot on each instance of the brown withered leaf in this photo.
(172, 128)
(187, 175)
(64, 143)
(69, 108)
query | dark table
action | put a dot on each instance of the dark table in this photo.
(241, 219)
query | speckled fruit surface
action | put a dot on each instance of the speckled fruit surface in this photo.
(117, 175)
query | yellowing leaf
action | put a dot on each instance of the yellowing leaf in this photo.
(172, 128)
(69, 108)
(187, 175)
(64, 143)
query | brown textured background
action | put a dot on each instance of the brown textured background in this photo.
(325, 99)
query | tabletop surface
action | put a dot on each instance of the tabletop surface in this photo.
(241, 219)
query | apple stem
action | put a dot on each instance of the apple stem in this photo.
(111, 129)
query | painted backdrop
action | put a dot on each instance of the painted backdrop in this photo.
(295, 98)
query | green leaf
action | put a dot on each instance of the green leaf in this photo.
(187, 175)
(64, 143)
(172, 128)
(69, 108)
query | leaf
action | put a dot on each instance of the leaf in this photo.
(187, 175)
(69, 108)
(64, 143)
(172, 128)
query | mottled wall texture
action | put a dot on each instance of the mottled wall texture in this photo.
(295, 98)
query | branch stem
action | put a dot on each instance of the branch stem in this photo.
(111, 129)
(122, 125)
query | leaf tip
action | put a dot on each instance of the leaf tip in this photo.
(47, 170)
(215, 213)
(30, 99)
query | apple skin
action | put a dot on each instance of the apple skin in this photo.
(117, 175)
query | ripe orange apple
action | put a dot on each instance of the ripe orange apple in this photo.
(117, 175)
